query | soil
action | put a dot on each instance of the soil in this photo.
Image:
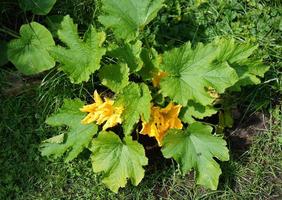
(241, 136)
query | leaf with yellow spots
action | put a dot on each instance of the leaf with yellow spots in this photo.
(102, 112)
(162, 119)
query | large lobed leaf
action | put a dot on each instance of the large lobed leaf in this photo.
(136, 100)
(191, 72)
(78, 137)
(195, 148)
(195, 110)
(30, 53)
(240, 57)
(126, 17)
(249, 72)
(130, 54)
(151, 63)
(114, 76)
(38, 7)
(118, 159)
(81, 58)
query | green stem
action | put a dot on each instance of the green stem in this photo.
(9, 32)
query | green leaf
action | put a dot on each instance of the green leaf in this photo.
(38, 7)
(196, 110)
(127, 17)
(225, 119)
(29, 53)
(195, 148)
(239, 57)
(54, 23)
(233, 52)
(135, 100)
(118, 160)
(114, 77)
(192, 71)
(78, 137)
(81, 58)
(57, 139)
(3, 53)
(130, 54)
(249, 72)
(151, 65)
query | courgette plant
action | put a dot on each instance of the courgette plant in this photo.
(167, 93)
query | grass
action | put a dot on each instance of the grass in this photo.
(25, 102)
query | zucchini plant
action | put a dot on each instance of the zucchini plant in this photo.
(164, 95)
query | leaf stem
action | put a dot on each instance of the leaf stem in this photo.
(9, 32)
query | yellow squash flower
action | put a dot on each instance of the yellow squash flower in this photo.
(213, 93)
(102, 112)
(157, 78)
(162, 119)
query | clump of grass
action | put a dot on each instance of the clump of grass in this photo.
(84, 12)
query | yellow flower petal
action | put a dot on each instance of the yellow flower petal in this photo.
(213, 93)
(161, 120)
(88, 108)
(102, 112)
(157, 78)
(88, 119)
(97, 98)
